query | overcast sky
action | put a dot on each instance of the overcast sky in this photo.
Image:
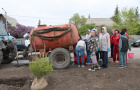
(54, 12)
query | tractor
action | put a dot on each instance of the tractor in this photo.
(8, 49)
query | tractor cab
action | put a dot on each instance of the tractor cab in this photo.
(8, 49)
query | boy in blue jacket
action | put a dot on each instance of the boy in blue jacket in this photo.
(123, 47)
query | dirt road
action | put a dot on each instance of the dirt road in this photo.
(74, 78)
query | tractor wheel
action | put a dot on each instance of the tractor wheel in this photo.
(1, 56)
(11, 56)
(60, 58)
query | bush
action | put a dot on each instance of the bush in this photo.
(41, 67)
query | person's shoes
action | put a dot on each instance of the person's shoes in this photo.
(91, 69)
(78, 66)
(100, 59)
(124, 66)
(72, 63)
(83, 65)
(97, 67)
(121, 66)
(117, 61)
(88, 63)
(104, 67)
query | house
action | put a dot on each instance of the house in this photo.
(100, 21)
(10, 20)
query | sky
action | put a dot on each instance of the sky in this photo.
(55, 12)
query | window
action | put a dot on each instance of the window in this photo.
(2, 29)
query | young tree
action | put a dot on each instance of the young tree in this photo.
(78, 20)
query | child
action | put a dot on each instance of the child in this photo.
(93, 48)
(123, 47)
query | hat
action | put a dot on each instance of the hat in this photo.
(88, 30)
(123, 32)
(93, 30)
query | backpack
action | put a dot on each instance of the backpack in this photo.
(124, 44)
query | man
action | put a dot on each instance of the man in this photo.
(111, 41)
(115, 39)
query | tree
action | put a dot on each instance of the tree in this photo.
(116, 18)
(137, 12)
(78, 20)
(19, 30)
(129, 20)
(39, 22)
(82, 30)
(89, 16)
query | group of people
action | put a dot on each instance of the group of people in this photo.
(119, 46)
(98, 44)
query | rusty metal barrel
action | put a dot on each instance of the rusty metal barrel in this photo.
(54, 37)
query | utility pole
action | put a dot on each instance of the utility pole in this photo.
(6, 18)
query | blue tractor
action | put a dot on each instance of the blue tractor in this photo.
(8, 49)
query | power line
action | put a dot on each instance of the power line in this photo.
(38, 17)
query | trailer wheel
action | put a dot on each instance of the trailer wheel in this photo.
(60, 58)
(10, 56)
(1, 56)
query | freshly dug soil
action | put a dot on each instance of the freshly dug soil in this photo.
(74, 78)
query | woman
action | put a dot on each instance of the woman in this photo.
(104, 46)
(115, 37)
(123, 47)
(80, 50)
(93, 48)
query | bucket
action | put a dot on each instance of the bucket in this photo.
(75, 59)
(93, 59)
(130, 55)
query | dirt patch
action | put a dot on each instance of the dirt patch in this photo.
(15, 84)
(73, 78)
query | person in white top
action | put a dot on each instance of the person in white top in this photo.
(80, 50)
(88, 34)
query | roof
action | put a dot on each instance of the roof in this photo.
(10, 20)
(100, 21)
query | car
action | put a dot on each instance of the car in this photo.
(21, 44)
(136, 43)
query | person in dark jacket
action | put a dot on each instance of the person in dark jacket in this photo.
(123, 47)
(111, 42)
